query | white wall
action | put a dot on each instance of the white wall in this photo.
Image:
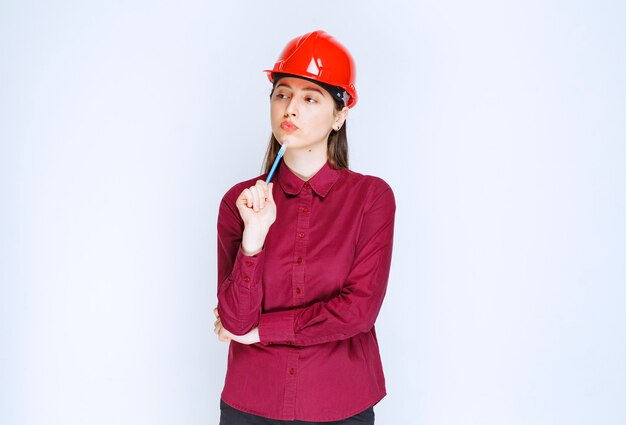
(500, 126)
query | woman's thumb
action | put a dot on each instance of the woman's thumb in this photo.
(270, 192)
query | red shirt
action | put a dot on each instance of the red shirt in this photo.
(314, 291)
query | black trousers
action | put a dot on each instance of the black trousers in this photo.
(231, 416)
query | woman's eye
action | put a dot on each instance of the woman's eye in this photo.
(281, 96)
(311, 100)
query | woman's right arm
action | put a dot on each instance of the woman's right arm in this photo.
(242, 226)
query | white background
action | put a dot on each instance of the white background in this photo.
(499, 124)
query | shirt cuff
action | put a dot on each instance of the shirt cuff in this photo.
(249, 268)
(277, 327)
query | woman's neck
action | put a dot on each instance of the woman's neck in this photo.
(305, 163)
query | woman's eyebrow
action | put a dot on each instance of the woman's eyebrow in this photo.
(311, 88)
(283, 85)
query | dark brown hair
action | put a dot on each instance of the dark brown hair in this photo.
(337, 146)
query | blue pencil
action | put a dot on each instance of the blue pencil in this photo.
(276, 161)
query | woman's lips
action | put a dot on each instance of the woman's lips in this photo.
(288, 126)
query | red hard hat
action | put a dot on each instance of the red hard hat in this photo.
(318, 56)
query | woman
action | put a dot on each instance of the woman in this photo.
(303, 262)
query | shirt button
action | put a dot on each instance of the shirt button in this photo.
(298, 291)
(300, 235)
(292, 371)
(249, 263)
(299, 260)
(305, 210)
(246, 279)
(306, 185)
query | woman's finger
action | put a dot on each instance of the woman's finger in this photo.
(262, 188)
(217, 313)
(223, 335)
(256, 198)
(247, 196)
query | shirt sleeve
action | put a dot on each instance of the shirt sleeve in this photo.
(355, 308)
(239, 288)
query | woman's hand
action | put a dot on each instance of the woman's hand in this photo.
(223, 335)
(258, 211)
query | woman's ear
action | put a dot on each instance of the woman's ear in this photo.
(340, 117)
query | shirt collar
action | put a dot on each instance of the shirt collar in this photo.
(321, 182)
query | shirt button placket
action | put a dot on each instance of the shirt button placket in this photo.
(301, 243)
(291, 387)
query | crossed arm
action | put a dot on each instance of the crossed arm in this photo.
(352, 311)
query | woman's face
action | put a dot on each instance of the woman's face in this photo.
(303, 113)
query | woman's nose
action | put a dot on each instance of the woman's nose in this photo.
(291, 109)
